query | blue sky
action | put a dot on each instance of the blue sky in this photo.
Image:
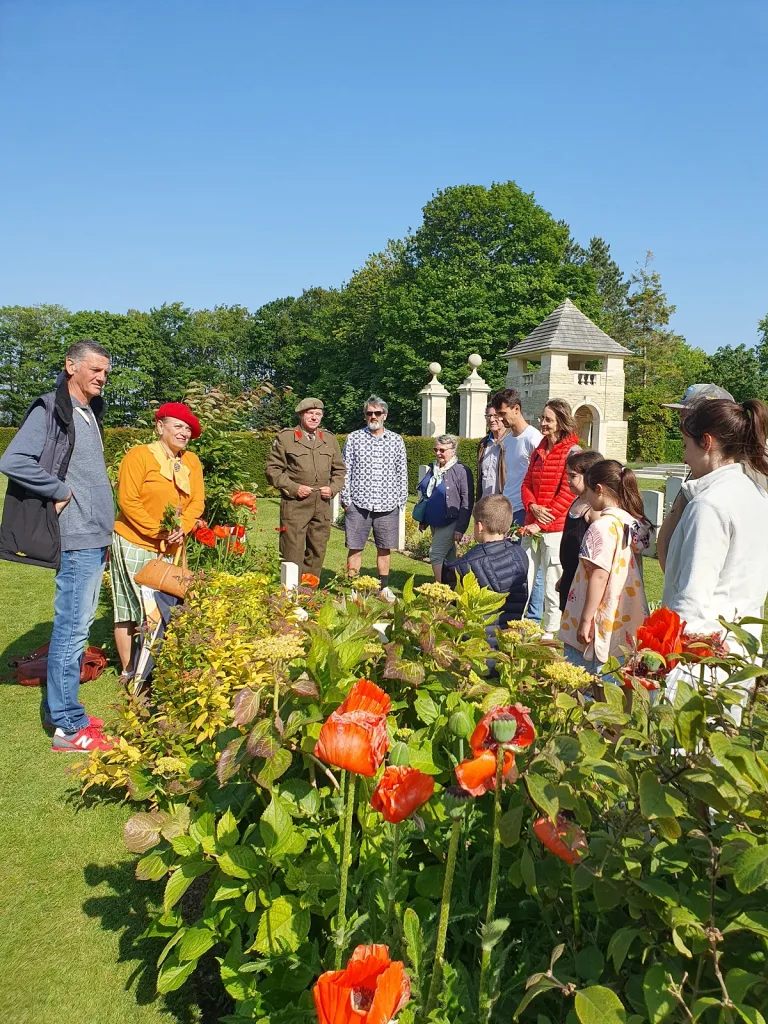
(215, 151)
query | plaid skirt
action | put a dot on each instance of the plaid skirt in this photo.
(125, 560)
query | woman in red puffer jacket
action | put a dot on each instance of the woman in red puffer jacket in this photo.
(547, 498)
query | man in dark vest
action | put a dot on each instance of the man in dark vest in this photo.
(59, 514)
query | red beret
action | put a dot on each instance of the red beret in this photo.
(181, 412)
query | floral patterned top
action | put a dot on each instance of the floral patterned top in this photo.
(612, 543)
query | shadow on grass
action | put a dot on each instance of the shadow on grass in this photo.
(127, 909)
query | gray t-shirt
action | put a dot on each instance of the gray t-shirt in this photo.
(89, 518)
(518, 455)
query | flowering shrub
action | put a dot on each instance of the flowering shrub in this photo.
(515, 843)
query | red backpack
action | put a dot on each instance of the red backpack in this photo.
(32, 669)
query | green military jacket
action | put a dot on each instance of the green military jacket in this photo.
(294, 459)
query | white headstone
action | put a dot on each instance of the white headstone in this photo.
(674, 486)
(335, 508)
(653, 506)
(423, 470)
(401, 530)
(289, 575)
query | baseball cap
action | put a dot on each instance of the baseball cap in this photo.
(695, 393)
(309, 403)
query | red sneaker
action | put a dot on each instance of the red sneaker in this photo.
(81, 742)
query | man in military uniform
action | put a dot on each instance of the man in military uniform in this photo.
(306, 466)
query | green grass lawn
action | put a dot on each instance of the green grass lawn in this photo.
(71, 910)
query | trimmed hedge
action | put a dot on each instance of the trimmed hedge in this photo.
(256, 448)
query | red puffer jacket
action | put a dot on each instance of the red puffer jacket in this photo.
(546, 484)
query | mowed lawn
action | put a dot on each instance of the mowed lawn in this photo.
(70, 910)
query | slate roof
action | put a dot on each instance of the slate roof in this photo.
(566, 329)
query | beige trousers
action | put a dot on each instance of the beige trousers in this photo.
(544, 551)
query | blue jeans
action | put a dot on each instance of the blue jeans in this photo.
(536, 600)
(78, 583)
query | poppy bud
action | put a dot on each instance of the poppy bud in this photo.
(399, 754)
(461, 724)
(504, 728)
(455, 800)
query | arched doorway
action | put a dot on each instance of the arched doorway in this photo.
(586, 427)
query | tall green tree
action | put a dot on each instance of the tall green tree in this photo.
(32, 346)
(613, 291)
(738, 370)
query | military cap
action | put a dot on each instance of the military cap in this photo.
(309, 403)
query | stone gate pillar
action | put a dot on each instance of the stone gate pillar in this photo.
(473, 398)
(434, 401)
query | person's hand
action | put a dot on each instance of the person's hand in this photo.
(59, 506)
(458, 536)
(175, 537)
(326, 493)
(422, 527)
(530, 530)
(541, 515)
(557, 586)
(585, 630)
(303, 491)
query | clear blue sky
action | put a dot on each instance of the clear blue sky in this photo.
(215, 151)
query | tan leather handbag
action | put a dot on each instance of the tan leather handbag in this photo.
(168, 577)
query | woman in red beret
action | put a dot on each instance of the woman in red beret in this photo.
(151, 478)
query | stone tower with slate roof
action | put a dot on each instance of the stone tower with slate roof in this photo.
(567, 356)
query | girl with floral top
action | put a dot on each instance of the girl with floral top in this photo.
(606, 602)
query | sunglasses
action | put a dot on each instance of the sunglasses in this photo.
(373, 412)
(442, 451)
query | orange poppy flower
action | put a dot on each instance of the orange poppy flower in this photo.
(355, 735)
(401, 791)
(308, 579)
(245, 498)
(565, 839)
(205, 536)
(662, 631)
(523, 736)
(477, 775)
(372, 989)
(237, 531)
(222, 531)
(236, 547)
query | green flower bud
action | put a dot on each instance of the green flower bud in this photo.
(504, 729)
(455, 801)
(461, 724)
(398, 754)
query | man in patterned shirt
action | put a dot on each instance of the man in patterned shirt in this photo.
(375, 491)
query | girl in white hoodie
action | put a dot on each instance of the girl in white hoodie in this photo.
(717, 563)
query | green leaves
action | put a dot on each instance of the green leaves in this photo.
(599, 1005)
(283, 927)
(750, 869)
(657, 801)
(276, 828)
(543, 794)
(181, 879)
(690, 716)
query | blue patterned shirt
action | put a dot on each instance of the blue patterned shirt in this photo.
(377, 471)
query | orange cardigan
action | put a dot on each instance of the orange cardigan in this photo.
(143, 494)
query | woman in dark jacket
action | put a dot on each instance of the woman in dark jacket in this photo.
(449, 490)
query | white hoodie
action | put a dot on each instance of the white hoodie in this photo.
(717, 563)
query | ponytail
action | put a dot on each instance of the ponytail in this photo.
(621, 482)
(739, 431)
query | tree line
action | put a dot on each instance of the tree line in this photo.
(485, 266)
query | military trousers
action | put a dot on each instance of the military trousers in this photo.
(306, 527)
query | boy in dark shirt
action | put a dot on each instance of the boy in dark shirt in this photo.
(497, 561)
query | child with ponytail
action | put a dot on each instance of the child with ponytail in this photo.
(606, 602)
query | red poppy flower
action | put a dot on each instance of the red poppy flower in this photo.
(565, 839)
(662, 632)
(222, 531)
(280, 529)
(308, 579)
(355, 735)
(401, 791)
(237, 531)
(371, 990)
(244, 498)
(477, 775)
(524, 734)
(206, 536)
(236, 547)
(650, 682)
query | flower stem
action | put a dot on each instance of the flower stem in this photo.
(442, 923)
(349, 810)
(576, 911)
(393, 865)
(493, 887)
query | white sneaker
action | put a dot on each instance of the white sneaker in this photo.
(387, 595)
(547, 636)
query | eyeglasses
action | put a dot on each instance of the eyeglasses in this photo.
(373, 412)
(442, 451)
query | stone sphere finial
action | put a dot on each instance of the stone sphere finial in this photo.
(475, 361)
(435, 368)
